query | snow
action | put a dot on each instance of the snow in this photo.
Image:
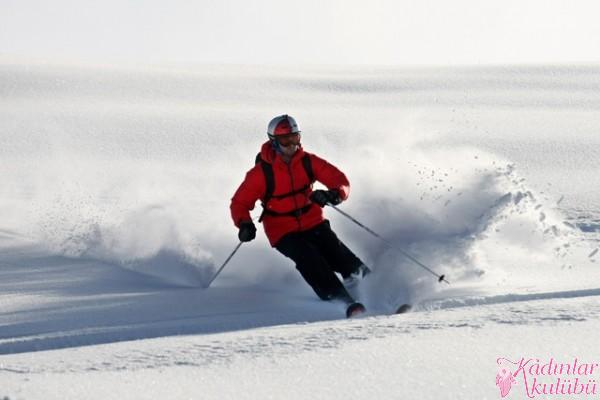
(114, 216)
(441, 354)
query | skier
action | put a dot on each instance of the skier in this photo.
(292, 213)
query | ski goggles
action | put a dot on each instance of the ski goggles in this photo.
(287, 140)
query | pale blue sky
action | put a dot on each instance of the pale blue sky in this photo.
(418, 32)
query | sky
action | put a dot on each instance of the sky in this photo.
(378, 32)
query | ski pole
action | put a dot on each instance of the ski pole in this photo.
(225, 263)
(389, 244)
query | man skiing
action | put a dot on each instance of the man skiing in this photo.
(292, 212)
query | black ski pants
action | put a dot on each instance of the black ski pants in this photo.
(318, 254)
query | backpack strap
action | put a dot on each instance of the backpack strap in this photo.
(269, 183)
(269, 178)
(308, 168)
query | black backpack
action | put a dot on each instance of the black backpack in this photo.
(270, 187)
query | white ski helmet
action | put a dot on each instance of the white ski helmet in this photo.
(282, 125)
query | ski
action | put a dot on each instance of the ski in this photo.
(355, 309)
(404, 308)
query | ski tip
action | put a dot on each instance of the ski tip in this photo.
(354, 310)
(404, 308)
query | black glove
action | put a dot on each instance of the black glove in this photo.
(322, 197)
(247, 231)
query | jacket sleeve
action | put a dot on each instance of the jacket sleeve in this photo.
(330, 176)
(251, 189)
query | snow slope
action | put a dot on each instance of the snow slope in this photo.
(427, 355)
(114, 214)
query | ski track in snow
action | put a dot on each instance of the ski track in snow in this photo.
(282, 341)
(446, 303)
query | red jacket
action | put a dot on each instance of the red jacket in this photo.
(288, 178)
